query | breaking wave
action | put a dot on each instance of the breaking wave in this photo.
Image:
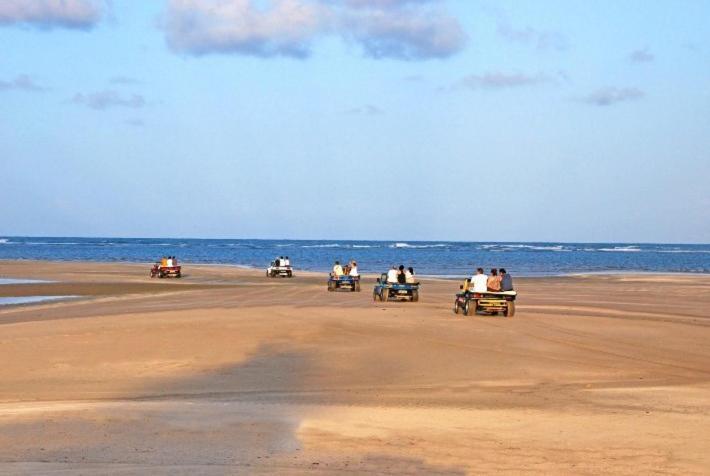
(407, 245)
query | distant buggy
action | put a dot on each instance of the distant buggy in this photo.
(351, 283)
(385, 291)
(276, 270)
(470, 303)
(160, 271)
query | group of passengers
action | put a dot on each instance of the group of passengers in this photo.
(282, 261)
(168, 261)
(401, 275)
(350, 269)
(499, 280)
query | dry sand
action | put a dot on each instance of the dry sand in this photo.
(228, 372)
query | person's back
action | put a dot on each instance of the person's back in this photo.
(401, 277)
(287, 261)
(353, 270)
(392, 275)
(506, 281)
(479, 281)
(493, 282)
(337, 270)
(409, 276)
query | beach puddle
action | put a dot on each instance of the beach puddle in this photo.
(12, 300)
(21, 281)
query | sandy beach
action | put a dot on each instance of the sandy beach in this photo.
(228, 372)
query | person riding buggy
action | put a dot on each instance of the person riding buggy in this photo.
(397, 284)
(346, 277)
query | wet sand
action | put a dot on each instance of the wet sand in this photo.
(227, 372)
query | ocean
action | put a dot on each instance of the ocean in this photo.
(440, 258)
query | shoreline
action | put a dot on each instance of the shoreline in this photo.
(325, 271)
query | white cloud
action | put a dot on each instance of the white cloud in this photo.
(367, 109)
(541, 39)
(500, 80)
(402, 29)
(641, 56)
(80, 14)
(124, 80)
(21, 82)
(611, 95)
(102, 100)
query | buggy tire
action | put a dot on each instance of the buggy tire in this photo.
(357, 286)
(375, 296)
(415, 295)
(510, 312)
(289, 274)
(466, 308)
(331, 286)
(457, 307)
(384, 295)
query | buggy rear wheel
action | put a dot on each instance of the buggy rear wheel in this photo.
(384, 295)
(357, 286)
(331, 285)
(510, 311)
(457, 306)
(467, 307)
(415, 295)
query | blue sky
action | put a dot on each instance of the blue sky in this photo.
(361, 119)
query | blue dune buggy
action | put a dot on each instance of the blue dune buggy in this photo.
(351, 283)
(385, 291)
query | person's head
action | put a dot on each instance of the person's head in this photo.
(411, 270)
(494, 272)
(337, 263)
(354, 263)
(401, 267)
(479, 270)
(501, 271)
(394, 267)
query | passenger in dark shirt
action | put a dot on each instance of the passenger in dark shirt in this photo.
(401, 277)
(506, 281)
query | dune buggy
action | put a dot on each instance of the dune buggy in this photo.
(385, 291)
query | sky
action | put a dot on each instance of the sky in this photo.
(461, 120)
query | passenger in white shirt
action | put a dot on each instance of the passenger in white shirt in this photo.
(286, 261)
(392, 275)
(353, 270)
(337, 269)
(479, 281)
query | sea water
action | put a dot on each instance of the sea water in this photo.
(440, 258)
